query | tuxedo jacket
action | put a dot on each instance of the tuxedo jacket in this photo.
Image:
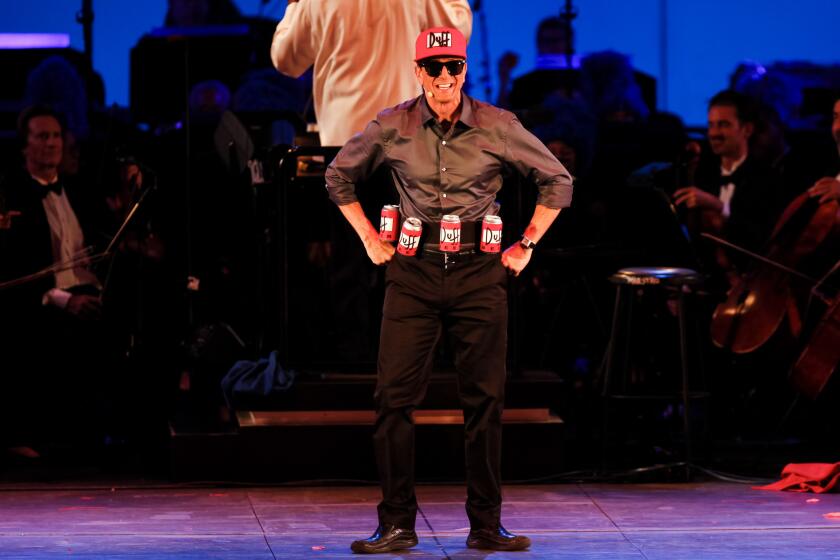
(756, 204)
(26, 247)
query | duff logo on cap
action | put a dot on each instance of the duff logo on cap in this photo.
(442, 39)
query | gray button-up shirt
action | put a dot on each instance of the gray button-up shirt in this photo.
(439, 172)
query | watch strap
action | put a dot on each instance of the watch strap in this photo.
(527, 243)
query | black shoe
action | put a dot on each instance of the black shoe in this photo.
(385, 539)
(497, 539)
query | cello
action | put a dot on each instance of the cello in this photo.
(819, 358)
(759, 301)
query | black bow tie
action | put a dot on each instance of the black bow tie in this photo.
(44, 190)
(735, 177)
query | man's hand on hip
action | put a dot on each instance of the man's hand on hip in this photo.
(516, 258)
(380, 252)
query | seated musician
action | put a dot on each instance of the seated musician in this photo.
(45, 338)
(739, 196)
(828, 187)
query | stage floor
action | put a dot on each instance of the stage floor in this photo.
(667, 521)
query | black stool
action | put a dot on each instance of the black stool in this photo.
(627, 280)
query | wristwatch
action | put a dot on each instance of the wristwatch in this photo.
(526, 243)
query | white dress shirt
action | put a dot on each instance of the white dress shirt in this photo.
(67, 244)
(727, 190)
(363, 53)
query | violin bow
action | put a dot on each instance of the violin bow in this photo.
(756, 256)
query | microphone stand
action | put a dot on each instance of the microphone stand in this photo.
(567, 14)
(85, 17)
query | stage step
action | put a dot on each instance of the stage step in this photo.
(342, 391)
(322, 428)
(250, 419)
(322, 450)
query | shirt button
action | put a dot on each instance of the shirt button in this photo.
(444, 142)
(443, 195)
(443, 169)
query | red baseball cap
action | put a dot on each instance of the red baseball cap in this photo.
(440, 41)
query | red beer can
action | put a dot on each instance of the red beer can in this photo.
(410, 237)
(450, 234)
(491, 234)
(389, 219)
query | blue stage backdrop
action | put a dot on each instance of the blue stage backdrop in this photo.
(690, 46)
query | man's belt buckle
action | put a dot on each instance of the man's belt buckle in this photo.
(450, 259)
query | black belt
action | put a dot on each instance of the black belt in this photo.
(445, 258)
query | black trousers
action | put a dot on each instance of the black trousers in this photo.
(464, 296)
(56, 380)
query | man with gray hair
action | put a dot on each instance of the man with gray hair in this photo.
(447, 153)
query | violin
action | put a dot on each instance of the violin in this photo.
(759, 301)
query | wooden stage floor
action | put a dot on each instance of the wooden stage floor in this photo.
(653, 521)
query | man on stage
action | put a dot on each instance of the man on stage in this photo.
(447, 153)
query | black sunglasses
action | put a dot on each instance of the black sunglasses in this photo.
(434, 67)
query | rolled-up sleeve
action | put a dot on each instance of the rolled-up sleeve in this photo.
(293, 45)
(356, 161)
(528, 155)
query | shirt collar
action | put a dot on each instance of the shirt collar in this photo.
(735, 166)
(44, 183)
(425, 113)
(44, 188)
(467, 113)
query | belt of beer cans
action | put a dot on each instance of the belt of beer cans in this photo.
(450, 232)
